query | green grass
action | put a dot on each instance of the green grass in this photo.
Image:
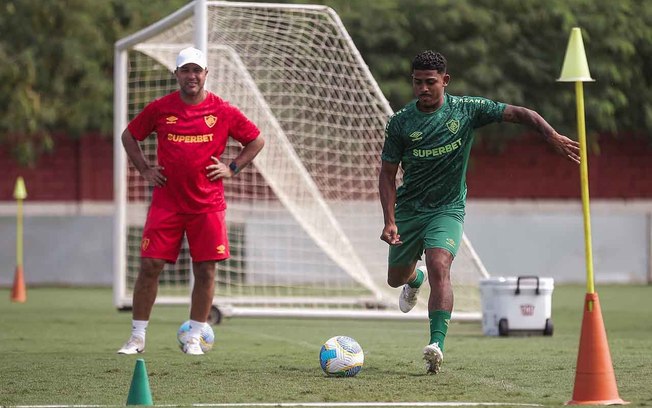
(59, 348)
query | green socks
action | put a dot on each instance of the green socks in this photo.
(416, 283)
(439, 320)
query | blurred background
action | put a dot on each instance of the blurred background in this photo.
(524, 210)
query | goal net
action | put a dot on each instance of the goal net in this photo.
(305, 217)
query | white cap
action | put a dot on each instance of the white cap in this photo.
(191, 55)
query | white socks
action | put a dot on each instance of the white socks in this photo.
(138, 328)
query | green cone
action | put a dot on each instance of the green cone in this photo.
(139, 393)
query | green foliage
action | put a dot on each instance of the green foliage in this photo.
(513, 50)
(59, 349)
(57, 71)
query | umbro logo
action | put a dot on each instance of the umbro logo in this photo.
(221, 249)
(171, 120)
(416, 136)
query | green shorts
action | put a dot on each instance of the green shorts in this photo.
(420, 231)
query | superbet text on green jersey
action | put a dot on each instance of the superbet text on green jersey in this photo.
(434, 148)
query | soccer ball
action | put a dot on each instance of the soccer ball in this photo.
(341, 356)
(206, 339)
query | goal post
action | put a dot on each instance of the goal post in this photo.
(305, 217)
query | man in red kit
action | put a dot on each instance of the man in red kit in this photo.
(192, 127)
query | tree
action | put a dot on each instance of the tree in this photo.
(512, 51)
(58, 75)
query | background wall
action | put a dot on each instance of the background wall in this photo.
(61, 250)
(546, 238)
(77, 170)
(67, 244)
(524, 212)
(523, 168)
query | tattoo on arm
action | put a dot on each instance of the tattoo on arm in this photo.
(528, 117)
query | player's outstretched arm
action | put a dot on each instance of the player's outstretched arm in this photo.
(563, 145)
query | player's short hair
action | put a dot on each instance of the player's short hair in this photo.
(429, 60)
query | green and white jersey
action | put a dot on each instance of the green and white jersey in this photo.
(434, 148)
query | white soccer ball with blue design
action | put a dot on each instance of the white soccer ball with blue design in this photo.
(206, 340)
(341, 356)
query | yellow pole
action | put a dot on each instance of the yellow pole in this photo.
(20, 193)
(595, 382)
(18, 292)
(19, 233)
(584, 179)
(576, 69)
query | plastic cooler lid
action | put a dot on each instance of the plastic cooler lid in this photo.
(510, 281)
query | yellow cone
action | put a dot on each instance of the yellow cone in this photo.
(576, 67)
(20, 192)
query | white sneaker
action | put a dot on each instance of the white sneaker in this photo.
(134, 345)
(433, 356)
(193, 347)
(408, 298)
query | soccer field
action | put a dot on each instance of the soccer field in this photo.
(59, 348)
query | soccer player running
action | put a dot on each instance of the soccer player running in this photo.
(192, 128)
(431, 138)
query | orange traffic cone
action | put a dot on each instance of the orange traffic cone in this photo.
(18, 292)
(595, 381)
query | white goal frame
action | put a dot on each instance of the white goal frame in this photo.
(281, 150)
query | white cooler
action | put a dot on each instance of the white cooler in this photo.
(516, 305)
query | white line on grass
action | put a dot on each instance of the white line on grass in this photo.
(368, 404)
(305, 404)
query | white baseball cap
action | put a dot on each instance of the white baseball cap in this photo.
(191, 55)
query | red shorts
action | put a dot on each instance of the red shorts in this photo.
(163, 234)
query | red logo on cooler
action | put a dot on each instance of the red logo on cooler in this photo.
(527, 310)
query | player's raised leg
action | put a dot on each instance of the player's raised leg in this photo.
(400, 275)
(408, 298)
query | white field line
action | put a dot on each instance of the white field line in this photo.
(304, 404)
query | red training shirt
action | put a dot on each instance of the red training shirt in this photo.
(188, 135)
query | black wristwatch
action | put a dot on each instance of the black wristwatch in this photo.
(234, 168)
